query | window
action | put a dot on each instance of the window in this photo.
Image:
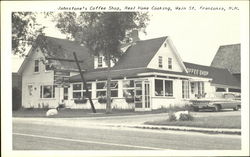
(36, 67)
(128, 89)
(101, 89)
(159, 88)
(99, 61)
(168, 88)
(200, 88)
(48, 67)
(192, 87)
(80, 92)
(47, 91)
(163, 87)
(165, 44)
(234, 90)
(169, 63)
(185, 89)
(65, 93)
(160, 61)
(220, 90)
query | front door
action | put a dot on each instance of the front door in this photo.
(142, 95)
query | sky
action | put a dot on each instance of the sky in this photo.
(196, 36)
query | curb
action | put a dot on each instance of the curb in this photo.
(190, 129)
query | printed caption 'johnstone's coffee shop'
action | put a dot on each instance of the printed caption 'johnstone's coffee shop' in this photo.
(149, 75)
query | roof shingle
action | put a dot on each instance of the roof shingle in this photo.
(228, 57)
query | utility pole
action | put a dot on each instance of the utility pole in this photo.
(85, 84)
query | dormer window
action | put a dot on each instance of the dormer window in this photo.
(160, 61)
(170, 63)
(48, 67)
(99, 61)
(36, 66)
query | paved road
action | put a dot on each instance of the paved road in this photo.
(50, 136)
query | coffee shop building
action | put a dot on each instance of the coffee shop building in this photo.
(149, 75)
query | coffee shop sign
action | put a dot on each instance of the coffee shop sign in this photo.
(197, 72)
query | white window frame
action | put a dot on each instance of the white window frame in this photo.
(81, 90)
(185, 89)
(99, 62)
(170, 63)
(38, 68)
(160, 63)
(42, 92)
(164, 88)
(127, 88)
(115, 88)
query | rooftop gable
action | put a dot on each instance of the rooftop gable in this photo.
(228, 57)
(139, 54)
(58, 51)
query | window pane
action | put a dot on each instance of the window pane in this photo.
(128, 93)
(160, 61)
(159, 87)
(168, 88)
(48, 67)
(114, 84)
(89, 86)
(220, 89)
(169, 63)
(84, 94)
(100, 85)
(100, 93)
(65, 93)
(100, 61)
(47, 91)
(192, 87)
(128, 83)
(41, 91)
(77, 95)
(77, 86)
(36, 67)
(114, 93)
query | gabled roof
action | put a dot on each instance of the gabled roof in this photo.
(139, 54)
(228, 57)
(219, 76)
(58, 51)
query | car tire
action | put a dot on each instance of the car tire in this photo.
(236, 108)
(217, 108)
(196, 109)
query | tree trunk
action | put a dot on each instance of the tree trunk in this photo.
(108, 105)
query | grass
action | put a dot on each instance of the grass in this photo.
(74, 113)
(232, 122)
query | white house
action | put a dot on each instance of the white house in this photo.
(149, 75)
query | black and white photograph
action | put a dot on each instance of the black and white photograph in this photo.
(125, 78)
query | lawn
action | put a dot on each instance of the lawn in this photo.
(233, 122)
(73, 113)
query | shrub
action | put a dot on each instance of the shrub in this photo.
(171, 116)
(80, 101)
(16, 98)
(186, 117)
(103, 100)
(129, 99)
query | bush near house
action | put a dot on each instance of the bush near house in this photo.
(16, 98)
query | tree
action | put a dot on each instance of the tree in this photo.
(25, 30)
(102, 33)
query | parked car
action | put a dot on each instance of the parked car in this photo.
(229, 101)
